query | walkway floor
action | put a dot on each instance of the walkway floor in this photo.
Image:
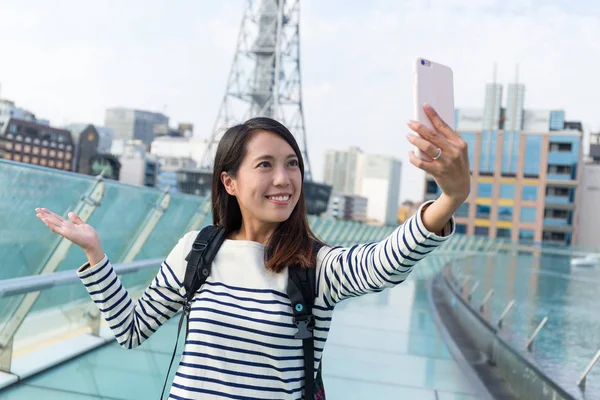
(381, 346)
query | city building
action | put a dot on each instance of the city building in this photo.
(8, 110)
(89, 140)
(138, 167)
(340, 169)
(30, 142)
(347, 207)
(175, 152)
(130, 124)
(374, 177)
(525, 170)
(589, 200)
(105, 135)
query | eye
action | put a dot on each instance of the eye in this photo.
(264, 164)
(293, 163)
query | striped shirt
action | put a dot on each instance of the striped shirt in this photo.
(241, 336)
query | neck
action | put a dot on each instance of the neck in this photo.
(260, 233)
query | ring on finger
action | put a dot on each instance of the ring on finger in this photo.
(439, 154)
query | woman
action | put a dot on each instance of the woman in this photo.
(241, 341)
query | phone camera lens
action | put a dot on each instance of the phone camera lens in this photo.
(422, 62)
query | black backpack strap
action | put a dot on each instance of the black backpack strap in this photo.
(200, 258)
(301, 291)
(199, 262)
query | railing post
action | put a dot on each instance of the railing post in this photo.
(583, 378)
(470, 295)
(505, 313)
(485, 300)
(535, 333)
(6, 356)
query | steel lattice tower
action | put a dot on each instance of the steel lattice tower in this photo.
(265, 76)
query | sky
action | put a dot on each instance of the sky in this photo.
(68, 61)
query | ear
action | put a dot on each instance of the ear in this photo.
(228, 182)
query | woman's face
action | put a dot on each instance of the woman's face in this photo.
(268, 183)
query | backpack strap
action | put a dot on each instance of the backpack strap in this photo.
(199, 262)
(301, 291)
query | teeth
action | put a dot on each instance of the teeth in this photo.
(280, 198)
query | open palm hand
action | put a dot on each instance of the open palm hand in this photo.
(75, 230)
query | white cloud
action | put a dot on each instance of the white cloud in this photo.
(68, 62)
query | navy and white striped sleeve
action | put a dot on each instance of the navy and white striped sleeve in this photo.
(345, 272)
(133, 322)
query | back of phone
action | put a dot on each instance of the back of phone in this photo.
(433, 84)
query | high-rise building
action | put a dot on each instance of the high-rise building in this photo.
(588, 219)
(525, 171)
(340, 169)
(374, 177)
(129, 124)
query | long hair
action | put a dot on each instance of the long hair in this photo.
(292, 241)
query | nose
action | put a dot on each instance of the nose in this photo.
(281, 178)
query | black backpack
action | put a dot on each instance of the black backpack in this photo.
(301, 291)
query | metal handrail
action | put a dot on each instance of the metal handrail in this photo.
(36, 283)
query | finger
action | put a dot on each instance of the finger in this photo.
(438, 123)
(427, 166)
(426, 147)
(429, 134)
(75, 218)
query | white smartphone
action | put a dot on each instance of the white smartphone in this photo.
(433, 84)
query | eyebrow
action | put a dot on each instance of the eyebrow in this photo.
(269, 157)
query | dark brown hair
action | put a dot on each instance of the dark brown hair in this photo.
(291, 243)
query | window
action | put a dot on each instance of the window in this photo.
(561, 214)
(482, 231)
(483, 211)
(26, 159)
(503, 233)
(18, 147)
(554, 236)
(562, 147)
(27, 148)
(510, 152)
(34, 160)
(51, 163)
(488, 152)
(470, 139)
(528, 214)
(526, 235)
(432, 187)
(507, 191)
(17, 157)
(557, 191)
(484, 190)
(529, 193)
(461, 228)
(463, 210)
(505, 213)
(533, 147)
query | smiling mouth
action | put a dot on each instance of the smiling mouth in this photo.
(283, 198)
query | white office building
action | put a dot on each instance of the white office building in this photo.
(371, 176)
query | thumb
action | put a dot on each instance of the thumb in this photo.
(75, 219)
